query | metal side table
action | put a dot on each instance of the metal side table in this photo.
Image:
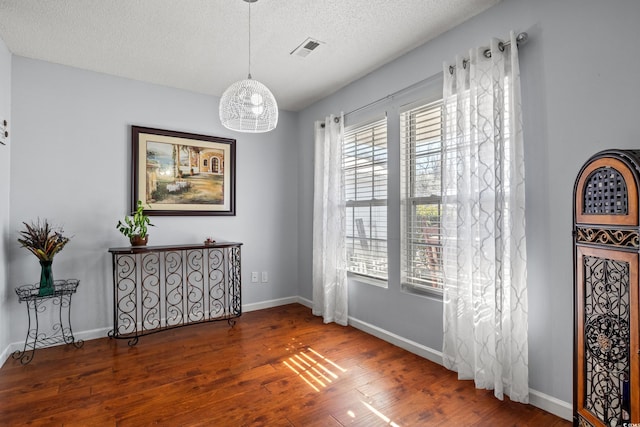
(59, 301)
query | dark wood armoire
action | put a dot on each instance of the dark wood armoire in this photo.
(606, 247)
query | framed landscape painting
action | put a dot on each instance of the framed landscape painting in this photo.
(178, 173)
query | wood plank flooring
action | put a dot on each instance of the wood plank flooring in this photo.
(276, 367)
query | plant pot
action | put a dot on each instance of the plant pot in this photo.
(139, 241)
(46, 279)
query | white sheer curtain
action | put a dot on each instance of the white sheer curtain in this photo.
(484, 246)
(329, 256)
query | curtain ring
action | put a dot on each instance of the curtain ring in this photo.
(487, 52)
(452, 68)
(335, 119)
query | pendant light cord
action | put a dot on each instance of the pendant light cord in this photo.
(249, 41)
(248, 105)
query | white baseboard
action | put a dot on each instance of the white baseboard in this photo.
(6, 353)
(557, 407)
(92, 334)
(269, 304)
(412, 346)
(305, 302)
(102, 332)
(538, 399)
(83, 335)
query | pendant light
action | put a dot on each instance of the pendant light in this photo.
(248, 105)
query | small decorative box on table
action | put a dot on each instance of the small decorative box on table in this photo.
(156, 288)
(60, 301)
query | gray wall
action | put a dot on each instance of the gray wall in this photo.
(70, 148)
(70, 161)
(581, 94)
(5, 153)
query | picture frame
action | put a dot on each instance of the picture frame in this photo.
(180, 173)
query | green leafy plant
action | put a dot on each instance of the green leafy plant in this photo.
(43, 240)
(135, 225)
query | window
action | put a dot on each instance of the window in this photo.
(421, 145)
(364, 153)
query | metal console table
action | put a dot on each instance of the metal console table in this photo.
(156, 288)
(37, 305)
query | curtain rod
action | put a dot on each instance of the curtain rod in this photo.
(394, 94)
(521, 38)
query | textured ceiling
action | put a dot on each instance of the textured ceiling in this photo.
(202, 45)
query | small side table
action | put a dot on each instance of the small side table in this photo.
(37, 304)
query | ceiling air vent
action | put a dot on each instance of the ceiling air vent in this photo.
(306, 47)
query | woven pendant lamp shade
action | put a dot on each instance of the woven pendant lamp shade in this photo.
(248, 106)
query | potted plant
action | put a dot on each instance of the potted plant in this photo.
(44, 241)
(135, 227)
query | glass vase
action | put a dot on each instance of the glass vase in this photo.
(46, 278)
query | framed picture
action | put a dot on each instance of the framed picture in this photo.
(178, 173)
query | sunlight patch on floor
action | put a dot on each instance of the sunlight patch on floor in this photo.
(313, 368)
(379, 414)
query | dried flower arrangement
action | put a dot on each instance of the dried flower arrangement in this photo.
(43, 240)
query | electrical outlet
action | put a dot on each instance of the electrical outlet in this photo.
(265, 277)
(254, 277)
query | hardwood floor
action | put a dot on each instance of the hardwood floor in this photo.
(276, 367)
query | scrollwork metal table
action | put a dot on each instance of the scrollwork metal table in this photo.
(156, 288)
(61, 331)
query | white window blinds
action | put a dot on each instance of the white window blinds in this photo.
(421, 145)
(365, 170)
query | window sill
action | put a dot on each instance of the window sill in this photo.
(434, 294)
(368, 280)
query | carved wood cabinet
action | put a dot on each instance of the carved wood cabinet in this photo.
(606, 249)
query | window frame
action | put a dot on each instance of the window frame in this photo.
(367, 275)
(431, 283)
